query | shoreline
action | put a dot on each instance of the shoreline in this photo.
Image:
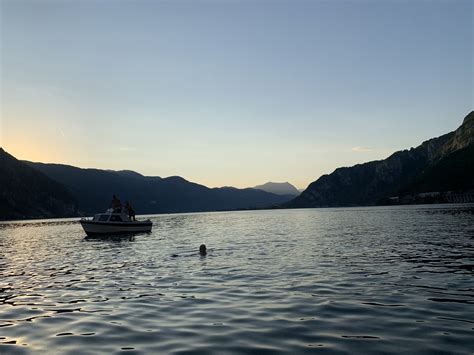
(76, 219)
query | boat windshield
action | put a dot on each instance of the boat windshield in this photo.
(103, 217)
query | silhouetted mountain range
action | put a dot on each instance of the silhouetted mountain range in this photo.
(38, 190)
(440, 164)
(28, 193)
(93, 189)
(279, 188)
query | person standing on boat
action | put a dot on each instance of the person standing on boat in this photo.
(131, 212)
(116, 204)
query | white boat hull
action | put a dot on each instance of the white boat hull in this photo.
(106, 228)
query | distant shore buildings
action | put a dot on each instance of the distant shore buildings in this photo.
(434, 197)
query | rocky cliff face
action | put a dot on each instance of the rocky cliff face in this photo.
(454, 172)
(28, 193)
(462, 137)
(373, 182)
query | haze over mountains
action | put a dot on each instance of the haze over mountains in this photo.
(440, 164)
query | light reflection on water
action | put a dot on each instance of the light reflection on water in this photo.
(359, 280)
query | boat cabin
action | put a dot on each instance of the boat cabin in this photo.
(110, 216)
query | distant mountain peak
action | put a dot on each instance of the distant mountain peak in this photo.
(177, 178)
(129, 173)
(279, 188)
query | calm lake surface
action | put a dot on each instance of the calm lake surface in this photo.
(356, 280)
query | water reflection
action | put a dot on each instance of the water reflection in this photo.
(447, 209)
(368, 280)
(38, 223)
(128, 237)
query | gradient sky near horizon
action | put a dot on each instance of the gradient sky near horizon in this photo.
(231, 92)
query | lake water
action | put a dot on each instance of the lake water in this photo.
(356, 280)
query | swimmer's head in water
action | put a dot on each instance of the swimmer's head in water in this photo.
(202, 249)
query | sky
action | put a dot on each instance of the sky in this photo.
(229, 92)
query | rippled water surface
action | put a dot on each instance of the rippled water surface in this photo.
(361, 280)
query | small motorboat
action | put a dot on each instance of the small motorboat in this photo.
(112, 222)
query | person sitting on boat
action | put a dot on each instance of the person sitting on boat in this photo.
(116, 204)
(131, 211)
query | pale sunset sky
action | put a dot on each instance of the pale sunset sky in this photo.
(231, 92)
